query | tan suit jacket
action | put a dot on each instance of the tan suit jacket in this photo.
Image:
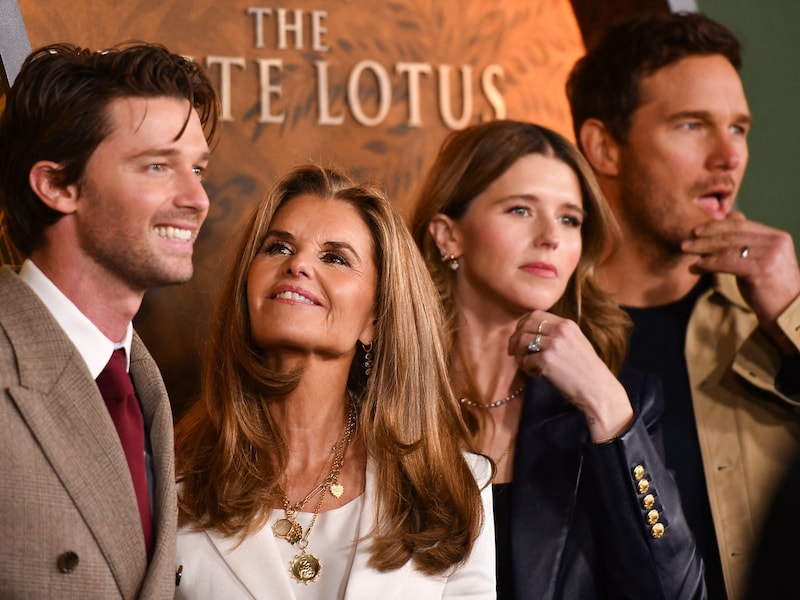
(749, 432)
(64, 481)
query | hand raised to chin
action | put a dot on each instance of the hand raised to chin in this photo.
(763, 260)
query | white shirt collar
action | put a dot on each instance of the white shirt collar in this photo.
(93, 346)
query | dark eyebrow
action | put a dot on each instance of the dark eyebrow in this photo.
(280, 234)
(165, 152)
(576, 208)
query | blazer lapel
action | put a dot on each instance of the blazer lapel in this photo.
(64, 410)
(158, 425)
(546, 474)
(256, 563)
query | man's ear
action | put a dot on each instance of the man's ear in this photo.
(446, 234)
(43, 180)
(599, 147)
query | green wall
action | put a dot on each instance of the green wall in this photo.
(768, 30)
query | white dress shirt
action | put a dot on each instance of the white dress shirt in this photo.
(93, 346)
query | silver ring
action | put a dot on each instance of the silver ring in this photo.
(744, 252)
(535, 345)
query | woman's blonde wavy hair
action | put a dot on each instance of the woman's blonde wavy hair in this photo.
(472, 159)
(231, 455)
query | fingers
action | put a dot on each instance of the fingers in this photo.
(762, 258)
(529, 341)
(718, 240)
(738, 246)
(530, 333)
(554, 347)
(546, 344)
(535, 345)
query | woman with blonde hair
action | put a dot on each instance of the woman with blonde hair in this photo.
(512, 225)
(327, 456)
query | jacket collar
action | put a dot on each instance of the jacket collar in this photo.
(725, 285)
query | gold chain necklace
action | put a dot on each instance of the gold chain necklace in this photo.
(506, 451)
(305, 567)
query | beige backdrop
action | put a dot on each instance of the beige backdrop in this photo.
(363, 84)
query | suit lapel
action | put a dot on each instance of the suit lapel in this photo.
(158, 424)
(64, 410)
(256, 563)
(546, 475)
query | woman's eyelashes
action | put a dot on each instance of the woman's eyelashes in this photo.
(273, 247)
(277, 247)
(570, 220)
(335, 258)
(521, 211)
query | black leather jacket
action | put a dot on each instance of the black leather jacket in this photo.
(579, 525)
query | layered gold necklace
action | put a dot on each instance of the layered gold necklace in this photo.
(305, 567)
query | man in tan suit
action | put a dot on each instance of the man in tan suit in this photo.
(101, 162)
(660, 112)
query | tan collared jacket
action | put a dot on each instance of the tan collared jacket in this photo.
(749, 432)
(68, 512)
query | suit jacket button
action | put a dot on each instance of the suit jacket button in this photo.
(643, 486)
(657, 531)
(652, 517)
(648, 502)
(67, 562)
(638, 472)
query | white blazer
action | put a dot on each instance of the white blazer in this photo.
(215, 567)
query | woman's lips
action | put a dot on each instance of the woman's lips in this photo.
(541, 269)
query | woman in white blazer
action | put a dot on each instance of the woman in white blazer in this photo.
(327, 456)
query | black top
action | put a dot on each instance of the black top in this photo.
(657, 345)
(502, 535)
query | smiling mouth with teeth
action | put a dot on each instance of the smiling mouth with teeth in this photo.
(293, 296)
(174, 233)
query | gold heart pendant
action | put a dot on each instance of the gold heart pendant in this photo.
(337, 489)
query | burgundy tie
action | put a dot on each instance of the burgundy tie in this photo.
(117, 390)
